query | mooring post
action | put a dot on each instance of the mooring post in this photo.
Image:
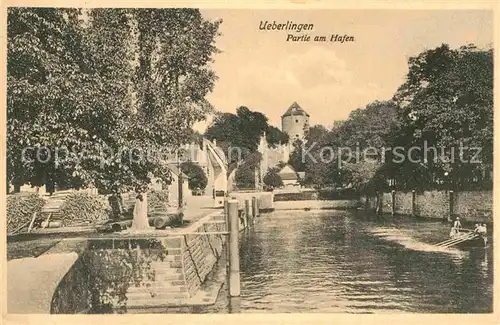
(413, 203)
(247, 212)
(226, 208)
(257, 208)
(450, 215)
(393, 202)
(226, 220)
(234, 253)
(254, 206)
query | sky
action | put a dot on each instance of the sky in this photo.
(261, 70)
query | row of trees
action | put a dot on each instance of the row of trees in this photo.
(89, 90)
(446, 103)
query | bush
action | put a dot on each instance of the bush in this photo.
(197, 178)
(81, 207)
(20, 209)
(157, 198)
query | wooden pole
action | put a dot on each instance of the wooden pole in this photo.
(393, 202)
(254, 206)
(234, 253)
(226, 221)
(451, 200)
(30, 227)
(413, 207)
(248, 217)
(226, 209)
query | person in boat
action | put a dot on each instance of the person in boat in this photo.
(482, 232)
(455, 229)
(476, 228)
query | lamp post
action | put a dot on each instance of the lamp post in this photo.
(451, 197)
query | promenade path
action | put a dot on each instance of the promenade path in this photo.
(40, 242)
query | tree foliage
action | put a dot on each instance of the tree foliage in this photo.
(243, 130)
(273, 178)
(345, 143)
(197, 178)
(444, 105)
(447, 102)
(245, 173)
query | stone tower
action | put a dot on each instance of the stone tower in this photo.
(294, 121)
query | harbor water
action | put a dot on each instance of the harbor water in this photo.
(343, 261)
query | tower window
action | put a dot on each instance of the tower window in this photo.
(296, 135)
(296, 121)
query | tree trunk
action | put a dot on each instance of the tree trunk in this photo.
(140, 221)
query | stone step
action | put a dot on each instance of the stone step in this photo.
(159, 286)
(168, 276)
(155, 302)
(167, 271)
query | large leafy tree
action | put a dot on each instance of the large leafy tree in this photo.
(45, 73)
(105, 89)
(447, 102)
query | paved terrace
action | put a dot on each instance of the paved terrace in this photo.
(42, 240)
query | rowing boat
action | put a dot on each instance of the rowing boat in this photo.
(464, 238)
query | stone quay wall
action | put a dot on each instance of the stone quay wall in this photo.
(469, 205)
(178, 277)
(266, 199)
(141, 271)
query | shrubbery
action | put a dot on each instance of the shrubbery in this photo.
(157, 198)
(273, 179)
(20, 209)
(197, 178)
(81, 207)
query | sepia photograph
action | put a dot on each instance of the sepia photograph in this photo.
(235, 161)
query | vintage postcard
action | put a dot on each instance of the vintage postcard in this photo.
(249, 161)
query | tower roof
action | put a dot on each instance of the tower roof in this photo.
(294, 109)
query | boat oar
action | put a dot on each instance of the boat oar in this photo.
(459, 240)
(455, 243)
(449, 240)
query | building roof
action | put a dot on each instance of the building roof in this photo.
(295, 109)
